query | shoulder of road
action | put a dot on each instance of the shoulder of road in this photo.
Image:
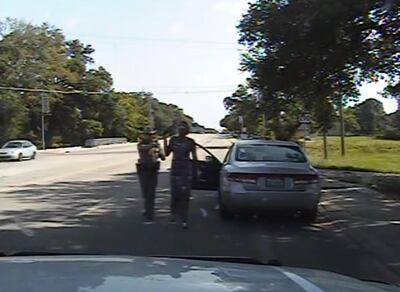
(383, 182)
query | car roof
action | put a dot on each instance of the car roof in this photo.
(266, 142)
(18, 141)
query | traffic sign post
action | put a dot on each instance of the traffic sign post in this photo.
(45, 104)
(45, 110)
(241, 122)
(305, 121)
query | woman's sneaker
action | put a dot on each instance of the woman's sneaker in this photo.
(148, 221)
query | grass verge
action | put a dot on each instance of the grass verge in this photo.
(362, 154)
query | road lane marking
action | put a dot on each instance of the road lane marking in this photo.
(344, 189)
(303, 283)
(94, 208)
(204, 212)
(24, 230)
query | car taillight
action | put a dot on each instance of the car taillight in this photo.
(243, 177)
(306, 179)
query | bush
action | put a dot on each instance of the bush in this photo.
(391, 134)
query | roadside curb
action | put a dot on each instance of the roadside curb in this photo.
(385, 183)
(80, 148)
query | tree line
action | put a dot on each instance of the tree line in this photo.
(40, 57)
(311, 57)
(367, 118)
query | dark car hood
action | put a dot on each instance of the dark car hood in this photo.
(106, 273)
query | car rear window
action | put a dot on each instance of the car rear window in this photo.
(264, 152)
(13, 145)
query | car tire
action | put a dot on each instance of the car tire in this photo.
(310, 215)
(33, 156)
(20, 157)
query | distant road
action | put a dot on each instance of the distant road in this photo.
(80, 163)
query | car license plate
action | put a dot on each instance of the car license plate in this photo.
(276, 183)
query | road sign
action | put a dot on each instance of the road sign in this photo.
(241, 120)
(45, 105)
(305, 119)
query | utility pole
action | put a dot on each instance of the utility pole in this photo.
(260, 104)
(342, 129)
(45, 110)
(241, 123)
(264, 116)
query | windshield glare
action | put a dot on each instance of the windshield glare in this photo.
(274, 153)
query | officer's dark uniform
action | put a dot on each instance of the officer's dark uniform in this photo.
(147, 168)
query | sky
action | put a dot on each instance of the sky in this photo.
(184, 51)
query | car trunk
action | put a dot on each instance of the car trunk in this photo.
(274, 176)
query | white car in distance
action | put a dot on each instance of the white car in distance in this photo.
(18, 150)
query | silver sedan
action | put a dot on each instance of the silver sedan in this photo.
(18, 150)
(259, 174)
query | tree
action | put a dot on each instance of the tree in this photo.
(350, 120)
(13, 115)
(393, 91)
(132, 118)
(305, 51)
(39, 57)
(371, 116)
(91, 129)
(31, 57)
(164, 117)
(324, 117)
(242, 104)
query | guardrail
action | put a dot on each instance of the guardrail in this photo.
(104, 141)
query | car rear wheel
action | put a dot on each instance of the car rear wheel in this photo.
(33, 155)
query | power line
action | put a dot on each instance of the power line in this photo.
(40, 90)
(194, 92)
(175, 87)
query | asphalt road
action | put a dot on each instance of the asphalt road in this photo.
(88, 201)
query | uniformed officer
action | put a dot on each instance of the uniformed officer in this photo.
(147, 168)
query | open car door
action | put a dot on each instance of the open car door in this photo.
(209, 167)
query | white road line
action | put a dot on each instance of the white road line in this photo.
(303, 283)
(338, 190)
(23, 229)
(99, 205)
(204, 212)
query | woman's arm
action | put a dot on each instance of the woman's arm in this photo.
(167, 146)
(194, 159)
(161, 153)
(194, 152)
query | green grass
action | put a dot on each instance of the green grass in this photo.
(362, 153)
